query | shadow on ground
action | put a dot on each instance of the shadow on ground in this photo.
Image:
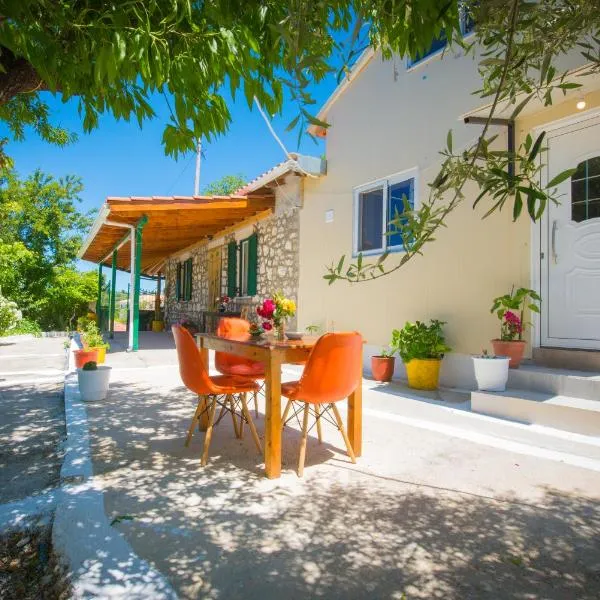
(341, 532)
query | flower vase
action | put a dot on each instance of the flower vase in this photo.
(280, 331)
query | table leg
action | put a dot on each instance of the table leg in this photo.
(273, 416)
(203, 421)
(355, 416)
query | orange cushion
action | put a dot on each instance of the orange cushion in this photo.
(289, 389)
(233, 385)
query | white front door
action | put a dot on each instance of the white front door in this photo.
(571, 230)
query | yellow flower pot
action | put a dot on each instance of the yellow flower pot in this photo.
(158, 326)
(423, 373)
(101, 354)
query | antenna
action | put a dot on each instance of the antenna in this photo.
(198, 161)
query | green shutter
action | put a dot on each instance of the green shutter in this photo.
(178, 282)
(188, 279)
(231, 269)
(252, 263)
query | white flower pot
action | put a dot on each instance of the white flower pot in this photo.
(491, 373)
(93, 385)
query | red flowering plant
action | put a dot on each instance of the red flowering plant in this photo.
(275, 310)
(512, 325)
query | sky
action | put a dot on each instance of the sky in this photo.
(120, 159)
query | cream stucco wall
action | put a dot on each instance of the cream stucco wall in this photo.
(390, 120)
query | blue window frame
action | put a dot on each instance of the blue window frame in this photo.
(375, 204)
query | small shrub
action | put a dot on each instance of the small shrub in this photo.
(26, 326)
(10, 315)
(419, 340)
(90, 366)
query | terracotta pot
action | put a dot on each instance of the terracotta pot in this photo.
(423, 373)
(513, 349)
(382, 367)
(84, 356)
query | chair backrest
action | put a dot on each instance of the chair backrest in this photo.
(333, 369)
(233, 328)
(191, 367)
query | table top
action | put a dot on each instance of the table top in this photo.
(265, 342)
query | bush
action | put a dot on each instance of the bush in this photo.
(419, 340)
(10, 315)
(27, 326)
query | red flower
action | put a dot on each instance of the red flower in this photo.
(267, 326)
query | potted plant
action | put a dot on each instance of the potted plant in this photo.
(422, 348)
(512, 325)
(85, 355)
(382, 365)
(93, 381)
(92, 340)
(491, 372)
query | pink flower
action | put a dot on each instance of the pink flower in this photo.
(267, 326)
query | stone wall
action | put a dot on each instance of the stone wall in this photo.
(278, 260)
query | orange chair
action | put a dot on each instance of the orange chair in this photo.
(233, 328)
(211, 390)
(330, 375)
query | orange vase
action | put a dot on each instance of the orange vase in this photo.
(513, 349)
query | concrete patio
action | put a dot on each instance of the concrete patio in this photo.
(442, 504)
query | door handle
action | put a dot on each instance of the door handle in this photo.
(554, 228)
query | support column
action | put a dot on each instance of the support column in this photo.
(157, 300)
(99, 299)
(136, 267)
(113, 294)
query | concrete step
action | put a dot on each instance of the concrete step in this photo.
(567, 358)
(574, 414)
(559, 382)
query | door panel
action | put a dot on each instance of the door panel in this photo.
(571, 306)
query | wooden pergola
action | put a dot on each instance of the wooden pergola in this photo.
(139, 233)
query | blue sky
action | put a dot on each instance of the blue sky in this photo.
(120, 159)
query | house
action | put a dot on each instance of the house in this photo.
(388, 121)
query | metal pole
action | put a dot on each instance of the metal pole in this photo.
(99, 300)
(113, 294)
(198, 161)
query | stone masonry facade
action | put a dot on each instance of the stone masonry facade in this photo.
(277, 258)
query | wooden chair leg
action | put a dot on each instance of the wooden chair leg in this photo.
(318, 417)
(303, 442)
(232, 410)
(285, 412)
(242, 418)
(340, 423)
(246, 413)
(256, 404)
(209, 430)
(195, 420)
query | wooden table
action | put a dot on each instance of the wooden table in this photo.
(274, 354)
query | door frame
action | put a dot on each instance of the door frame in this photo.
(539, 231)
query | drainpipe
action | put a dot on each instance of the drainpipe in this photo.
(136, 267)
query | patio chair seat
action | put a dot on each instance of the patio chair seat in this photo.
(210, 391)
(331, 374)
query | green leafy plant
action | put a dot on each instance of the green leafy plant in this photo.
(420, 340)
(92, 338)
(386, 353)
(90, 365)
(10, 315)
(27, 326)
(312, 329)
(511, 325)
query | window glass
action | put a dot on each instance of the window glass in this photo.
(585, 190)
(397, 192)
(244, 268)
(370, 215)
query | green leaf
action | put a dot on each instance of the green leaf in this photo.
(449, 141)
(517, 206)
(536, 147)
(561, 177)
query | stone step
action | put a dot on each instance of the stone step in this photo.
(575, 414)
(561, 382)
(566, 358)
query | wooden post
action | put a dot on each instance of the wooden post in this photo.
(99, 299)
(137, 266)
(157, 300)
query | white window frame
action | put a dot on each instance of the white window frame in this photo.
(383, 183)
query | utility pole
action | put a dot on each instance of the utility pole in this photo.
(198, 161)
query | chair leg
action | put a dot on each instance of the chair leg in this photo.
(256, 404)
(303, 442)
(285, 412)
(246, 413)
(195, 420)
(318, 417)
(232, 410)
(209, 430)
(340, 423)
(242, 417)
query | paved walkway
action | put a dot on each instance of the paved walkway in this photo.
(31, 416)
(443, 503)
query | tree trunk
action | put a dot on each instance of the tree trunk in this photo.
(19, 77)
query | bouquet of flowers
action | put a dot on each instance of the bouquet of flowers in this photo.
(223, 302)
(274, 311)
